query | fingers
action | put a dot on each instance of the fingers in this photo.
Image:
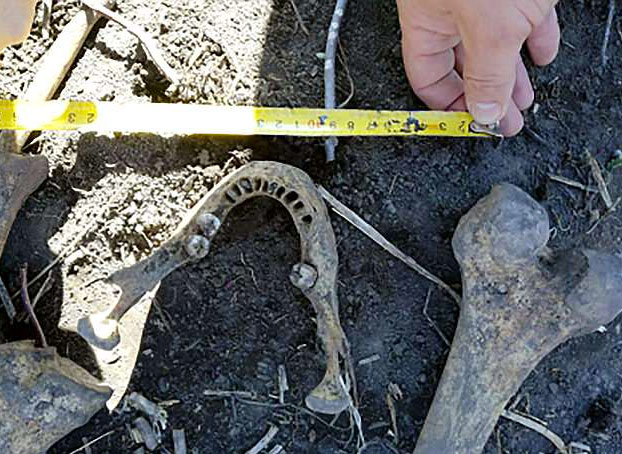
(429, 60)
(16, 18)
(543, 42)
(523, 93)
(491, 51)
(433, 77)
(513, 121)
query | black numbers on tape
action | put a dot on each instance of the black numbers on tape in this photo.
(81, 117)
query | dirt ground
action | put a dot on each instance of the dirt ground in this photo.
(227, 323)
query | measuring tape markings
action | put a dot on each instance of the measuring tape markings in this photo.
(229, 120)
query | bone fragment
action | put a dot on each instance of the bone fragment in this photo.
(156, 414)
(315, 274)
(43, 397)
(143, 432)
(520, 301)
(179, 441)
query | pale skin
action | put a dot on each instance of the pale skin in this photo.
(458, 54)
(15, 20)
(465, 54)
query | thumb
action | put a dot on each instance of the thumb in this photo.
(490, 70)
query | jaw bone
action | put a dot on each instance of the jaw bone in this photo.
(315, 275)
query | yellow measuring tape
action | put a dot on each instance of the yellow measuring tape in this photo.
(163, 118)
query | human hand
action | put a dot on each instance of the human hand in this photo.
(15, 20)
(465, 54)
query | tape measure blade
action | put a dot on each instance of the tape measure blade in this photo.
(161, 118)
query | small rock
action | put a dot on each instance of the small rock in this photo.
(422, 379)
(554, 388)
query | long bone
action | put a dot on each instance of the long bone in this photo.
(520, 301)
(315, 275)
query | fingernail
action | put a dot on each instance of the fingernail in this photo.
(486, 112)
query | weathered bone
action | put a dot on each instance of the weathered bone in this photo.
(315, 275)
(520, 302)
(43, 397)
(19, 177)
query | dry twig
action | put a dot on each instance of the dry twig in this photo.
(329, 70)
(45, 287)
(147, 41)
(6, 301)
(604, 216)
(26, 300)
(610, 15)
(47, 18)
(299, 17)
(265, 440)
(373, 234)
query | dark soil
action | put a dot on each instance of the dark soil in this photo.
(228, 323)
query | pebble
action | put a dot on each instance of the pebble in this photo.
(163, 385)
(422, 379)
(554, 388)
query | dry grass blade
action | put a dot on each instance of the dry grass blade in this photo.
(26, 301)
(610, 16)
(539, 428)
(299, 17)
(431, 322)
(240, 394)
(394, 393)
(572, 183)
(6, 301)
(147, 41)
(372, 233)
(263, 443)
(92, 442)
(600, 180)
